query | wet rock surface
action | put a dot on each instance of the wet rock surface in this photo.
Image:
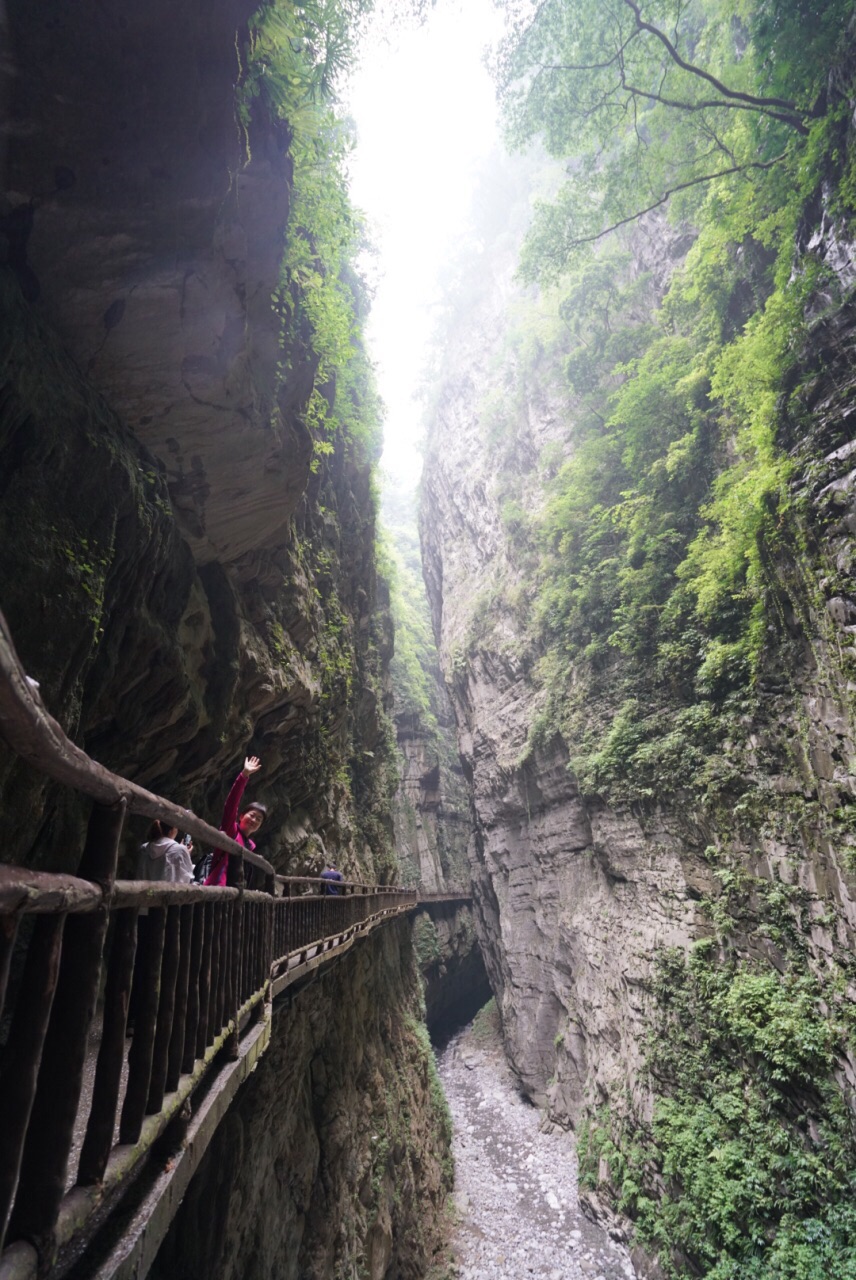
(516, 1193)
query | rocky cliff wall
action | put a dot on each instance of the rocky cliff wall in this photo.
(182, 579)
(187, 557)
(582, 901)
(432, 815)
(432, 812)
(341, 1138)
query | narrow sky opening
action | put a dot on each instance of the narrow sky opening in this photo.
(425, 111)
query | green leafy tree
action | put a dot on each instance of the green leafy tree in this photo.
(651, 100)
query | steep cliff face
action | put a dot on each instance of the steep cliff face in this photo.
(187, 552)
(432, 813)
(432, 822)
(181, 577)
(622, 930)
(334, 1162)
(432, 816)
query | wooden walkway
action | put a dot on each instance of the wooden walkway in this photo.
(205, 971)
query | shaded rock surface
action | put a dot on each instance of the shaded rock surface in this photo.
(432, 809)
(453, 969)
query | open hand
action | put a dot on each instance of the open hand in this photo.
(252, 764)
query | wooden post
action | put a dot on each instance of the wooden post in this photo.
(143, 1043)
(166, 1012)
(229, 986)
(216, 949)
(235, 943)
(196, 939)
(24, 1051)
(202, 1037)
(41, 1184)
(111, 1054)
(182, 987)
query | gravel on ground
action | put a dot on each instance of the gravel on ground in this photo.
(517, 1208)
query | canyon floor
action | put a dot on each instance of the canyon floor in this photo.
(517, 1207)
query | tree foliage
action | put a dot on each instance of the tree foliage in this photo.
(666, 507)
(649, 100)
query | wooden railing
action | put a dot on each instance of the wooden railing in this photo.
(451, 896)
(88, 1102)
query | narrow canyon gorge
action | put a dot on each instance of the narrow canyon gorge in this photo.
(590, 693)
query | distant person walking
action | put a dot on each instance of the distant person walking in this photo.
(162, 857)
(241, 829)
(331, 875)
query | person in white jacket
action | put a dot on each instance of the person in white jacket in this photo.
(163, 858)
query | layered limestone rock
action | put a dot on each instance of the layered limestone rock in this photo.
(432, 822)
(575, 900)
(335, 1159)
(432, 812)
(149, 227)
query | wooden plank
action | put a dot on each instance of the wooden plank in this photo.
(26, 892)
(154, 893)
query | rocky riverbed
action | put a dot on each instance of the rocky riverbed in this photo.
(517, 1207)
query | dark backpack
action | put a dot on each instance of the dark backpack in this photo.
(203, 867)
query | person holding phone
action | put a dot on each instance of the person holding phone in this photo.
(162, 857)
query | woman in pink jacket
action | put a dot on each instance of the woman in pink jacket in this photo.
(241, 829)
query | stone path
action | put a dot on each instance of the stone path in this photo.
(515, 1187)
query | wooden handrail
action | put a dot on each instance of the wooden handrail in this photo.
(37, 738)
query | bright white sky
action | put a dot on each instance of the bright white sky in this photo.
(425, 112)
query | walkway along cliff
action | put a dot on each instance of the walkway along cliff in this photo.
(91, 1178)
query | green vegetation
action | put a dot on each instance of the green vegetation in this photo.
(748, 1168)
(641, 549)
(487, 1029)
(426, 942)
(663, 571)
(414, 668)
(292, 66)
(294, 60)
(663, 100)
